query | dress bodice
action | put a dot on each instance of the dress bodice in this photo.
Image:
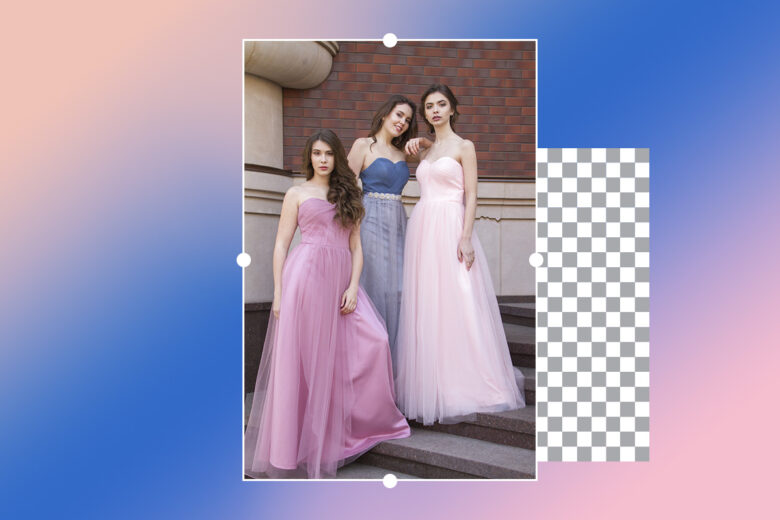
(318, 225)
(441, 180)
(385, 176)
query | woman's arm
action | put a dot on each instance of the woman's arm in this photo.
(349, 298)
(468, 159)
(415, 146)
(288, 221)
(357, 155)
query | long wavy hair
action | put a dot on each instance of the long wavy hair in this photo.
(446, 92)
(343, 189)
(384, 110)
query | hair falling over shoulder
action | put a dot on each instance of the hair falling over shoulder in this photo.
(343, 190)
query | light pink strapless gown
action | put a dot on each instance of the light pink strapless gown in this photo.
(324, 391)
(453, 358)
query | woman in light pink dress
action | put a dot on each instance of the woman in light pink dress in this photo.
(453, 358)
(324, 391)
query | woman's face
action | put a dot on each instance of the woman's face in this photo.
(398, 120)
(322, 158)
(437, 109)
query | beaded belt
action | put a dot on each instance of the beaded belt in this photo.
(390, 196)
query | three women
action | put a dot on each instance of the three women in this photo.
(325, 390)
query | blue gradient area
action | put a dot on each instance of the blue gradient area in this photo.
(122, 380)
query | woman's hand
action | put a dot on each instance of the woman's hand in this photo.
(413, 146)
(349, 300)
(466, 252)
(276, 305)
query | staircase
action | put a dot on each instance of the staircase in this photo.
(491, 445)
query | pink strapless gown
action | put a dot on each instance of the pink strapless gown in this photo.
(324, 391)
(453, 358)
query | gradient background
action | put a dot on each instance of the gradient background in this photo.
(120, 221)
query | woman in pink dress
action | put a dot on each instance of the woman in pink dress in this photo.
(453, 358)
(324, 391)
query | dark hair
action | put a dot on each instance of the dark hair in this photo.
(343, 189)
(445, 90)
(383, 111)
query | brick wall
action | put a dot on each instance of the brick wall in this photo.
(495, 83)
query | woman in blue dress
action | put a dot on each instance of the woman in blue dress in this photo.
(379, 160)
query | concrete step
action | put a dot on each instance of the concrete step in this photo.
(529, 374)
(432, 454)
(512, 428)
(522, 344)
(518, 313)
(522, 298)
(358, 470)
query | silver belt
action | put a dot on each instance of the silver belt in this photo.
(388, 196)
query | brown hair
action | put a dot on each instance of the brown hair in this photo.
(343, 189)
(383, 111)
(445, 90)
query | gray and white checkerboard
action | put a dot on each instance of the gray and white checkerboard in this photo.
(592, 303)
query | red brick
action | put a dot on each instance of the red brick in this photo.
(498, 54)
(396, 60)
(485, 82)
(401, 88)
(436, 71)
(353, 95)
(380, 78)
(372, 67)
(520, 102)
(506, 111)
(471, 109)
(434, 51)
(292, 111)
(524, 65)
(485, 64)
(504, 147)
(362, 47)
(471, 73)
(490, 101)
(353, 76)
(365, 106)
(519, 138)
(422, 61)
(488, 120)
(456, 62)
(405, 49)
(500, 73)
(520, 129)
(470, 54)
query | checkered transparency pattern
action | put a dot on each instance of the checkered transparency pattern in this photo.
(593, 303)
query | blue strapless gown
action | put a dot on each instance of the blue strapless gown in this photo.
(382, 234)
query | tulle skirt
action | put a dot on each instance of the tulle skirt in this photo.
(324, 391)
(453, 358)
(382, 234)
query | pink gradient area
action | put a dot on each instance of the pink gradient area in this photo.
(115, 114)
